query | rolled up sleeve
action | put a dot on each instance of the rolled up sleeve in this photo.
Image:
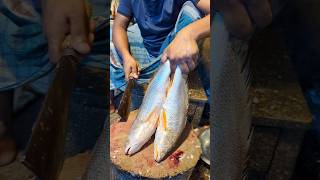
(125, 8)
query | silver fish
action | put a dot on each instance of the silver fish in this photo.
(145, 124)
(172, 118)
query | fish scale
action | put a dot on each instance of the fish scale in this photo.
(230, 110)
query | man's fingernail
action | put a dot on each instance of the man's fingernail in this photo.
(134, 75)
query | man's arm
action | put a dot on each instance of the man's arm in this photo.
(119, 34)
(183, 50)
(201, 28)
(120, 40)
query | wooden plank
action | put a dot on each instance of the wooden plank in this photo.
(191, 111)
(263, 144)
(276, 94)
(196, 91)
(74, 167)
(286, 153)
(197, 95)
(197, 114)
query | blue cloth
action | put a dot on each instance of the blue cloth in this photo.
(23, 48)
(147, 62)
(155, 18)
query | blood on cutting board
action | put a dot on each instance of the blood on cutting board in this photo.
(174, 159)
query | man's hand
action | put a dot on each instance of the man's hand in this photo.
(120, 40)
(131, 68)
(67, 17)
(182, 51)
(241, 16)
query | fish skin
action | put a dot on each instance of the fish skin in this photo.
(145, 124)
(172, 118)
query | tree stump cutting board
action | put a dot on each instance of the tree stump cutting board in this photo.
(178, 165)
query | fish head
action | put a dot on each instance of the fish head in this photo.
(162, 145)
(140, 135)
(159, 154)
(159, 157)
(132, 148)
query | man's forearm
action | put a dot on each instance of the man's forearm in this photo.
(120, 40)
(199, 29)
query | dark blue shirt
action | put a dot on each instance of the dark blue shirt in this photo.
(155, 18)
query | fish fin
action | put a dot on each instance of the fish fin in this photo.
(164, 119)
(156, 151)
(153, 115)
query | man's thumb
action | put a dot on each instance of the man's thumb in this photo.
(164, 57)
(80, 33)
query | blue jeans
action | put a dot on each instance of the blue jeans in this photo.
(148, 64)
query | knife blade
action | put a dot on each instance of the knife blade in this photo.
(125, 102)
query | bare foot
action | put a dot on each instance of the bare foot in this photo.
(8, 151)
